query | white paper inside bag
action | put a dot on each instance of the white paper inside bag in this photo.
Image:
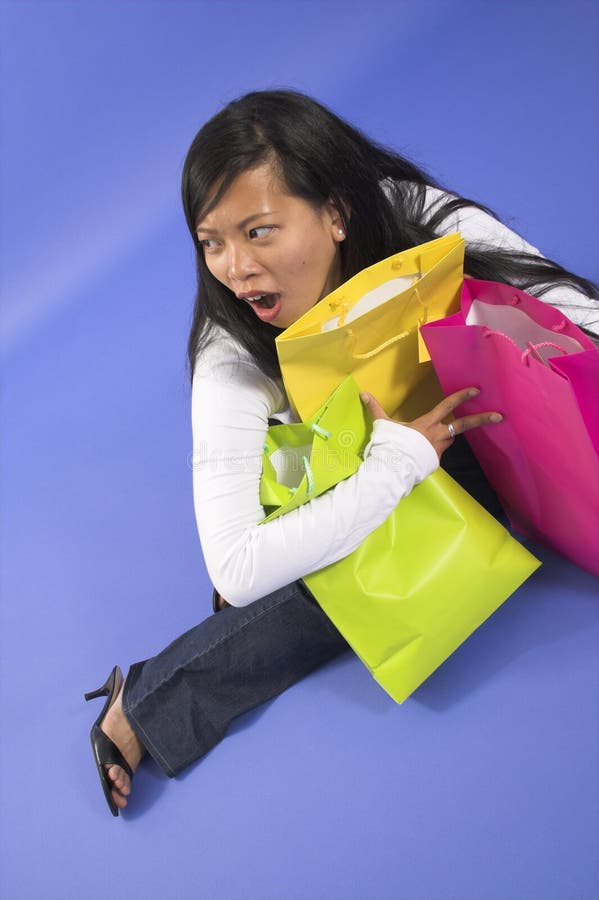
(518, 326)
(288, 464)
(371, 299)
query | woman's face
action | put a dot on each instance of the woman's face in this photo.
(273, 250)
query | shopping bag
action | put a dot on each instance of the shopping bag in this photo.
(542, 373)
(369, 327)
(424, 580)
(303, 460)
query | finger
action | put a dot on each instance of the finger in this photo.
(466, 423)
(449, 403)
(373, 405)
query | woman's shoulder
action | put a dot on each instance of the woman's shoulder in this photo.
(224, 358)
(220, 350)
(444, 210)
(476, 225)
(224, 365)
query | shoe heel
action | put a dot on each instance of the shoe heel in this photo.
(105, 689)
(91, 695)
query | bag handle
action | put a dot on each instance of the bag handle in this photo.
(309, 475)
(383, 346)
(325, 435)
(318, 429)
(526, 354)
(306, 463)
(532, 347)
(395, 338)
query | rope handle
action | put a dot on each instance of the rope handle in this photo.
(318, 429)
(307, 467)
(524, 357)
(383, 346)
(395, 338)
(532, 347)
(309, 475)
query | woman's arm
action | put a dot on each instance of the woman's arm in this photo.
(231, 404)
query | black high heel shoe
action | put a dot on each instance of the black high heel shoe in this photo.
(106, 752)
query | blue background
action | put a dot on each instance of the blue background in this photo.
(482, 786)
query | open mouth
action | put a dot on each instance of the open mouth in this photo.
(266, 306)
(264, 301)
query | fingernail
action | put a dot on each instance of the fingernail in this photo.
(365, 398)
(495, 417)
(473, 392)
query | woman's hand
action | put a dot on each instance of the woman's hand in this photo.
(431, 425)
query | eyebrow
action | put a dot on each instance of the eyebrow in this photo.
(243, 223)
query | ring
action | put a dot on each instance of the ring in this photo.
(451, 430)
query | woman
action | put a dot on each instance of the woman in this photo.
(284, 202)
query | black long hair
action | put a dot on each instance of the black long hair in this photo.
(320, 157)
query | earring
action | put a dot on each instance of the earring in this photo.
(340, 231)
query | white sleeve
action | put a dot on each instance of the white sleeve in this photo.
(478, 227)
(231, 404)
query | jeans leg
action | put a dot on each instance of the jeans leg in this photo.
(181, 702)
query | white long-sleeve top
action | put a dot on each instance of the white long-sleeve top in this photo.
(232, 401)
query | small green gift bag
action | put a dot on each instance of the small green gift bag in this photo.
(304, 460)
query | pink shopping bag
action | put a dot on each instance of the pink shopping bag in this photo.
(542, 373)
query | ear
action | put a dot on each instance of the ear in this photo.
(338, 220)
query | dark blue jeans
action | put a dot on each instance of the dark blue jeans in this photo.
(181, 702)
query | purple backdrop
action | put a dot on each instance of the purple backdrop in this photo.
(485, 783)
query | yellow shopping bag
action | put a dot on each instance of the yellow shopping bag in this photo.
(419, 584)
(368, 327)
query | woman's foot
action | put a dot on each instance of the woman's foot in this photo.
(117, 728)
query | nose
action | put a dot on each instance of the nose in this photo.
(240, 262)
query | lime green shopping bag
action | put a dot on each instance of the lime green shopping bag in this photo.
(424, 580)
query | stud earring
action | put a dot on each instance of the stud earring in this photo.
(340, 231)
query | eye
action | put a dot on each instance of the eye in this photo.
(261, 231)
(208, 243)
